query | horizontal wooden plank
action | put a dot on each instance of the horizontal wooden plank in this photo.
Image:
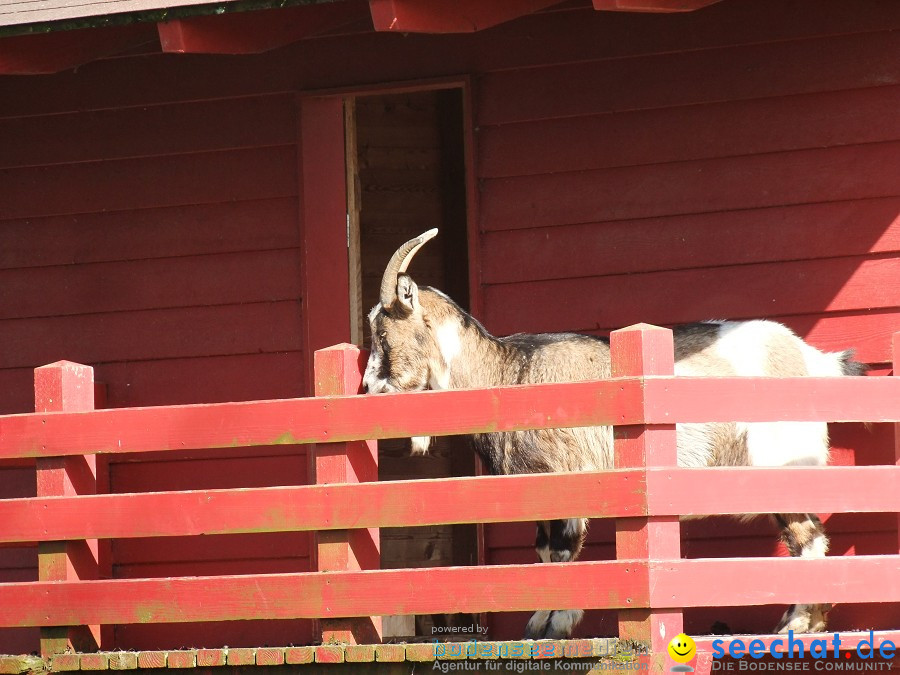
(437, 413)
(399, 157)
(17, 482)
(189, 555)
(330, 594)
(868, 333)
(317, 420)
(721, 129)
(572, 36)
(708, 537)
(869, 489)
(156, 466)
(44, 52)
(859, 445)
(766, 69)
(191, 281)
(20, 641)
(204, 470)
(765, 581)
(279, 509)
(164, 334)
(839, 544)
(454, 500)
(149, 131)
(664, 298)
(214, 379)
(781, 233)
(761, 399)
(19, 557)
(148, 182)
(702, 186)
(226, 554)
(227, 565)
(194, 229)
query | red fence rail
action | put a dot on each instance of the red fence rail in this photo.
(646, 494)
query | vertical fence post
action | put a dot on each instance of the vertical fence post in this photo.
(338, 370)
(895, 357)
(642, 350)
(66, 387)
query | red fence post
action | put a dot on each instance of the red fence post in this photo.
(69, 387)
(339, 370)
(895, 357)
(637, 351)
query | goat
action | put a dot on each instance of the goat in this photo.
(421, 340)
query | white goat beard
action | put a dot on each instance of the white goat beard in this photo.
(419, 445)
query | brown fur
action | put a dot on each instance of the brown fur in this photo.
(424, 340)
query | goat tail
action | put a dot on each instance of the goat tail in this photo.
(849, 366)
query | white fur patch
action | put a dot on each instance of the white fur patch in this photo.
(448, 340)
(419, 445)
(372, 382)
(817, 549)
(786, 443)
(743, 345)
(821, 364)
(574, 527)
(449, 345)
(543, 554)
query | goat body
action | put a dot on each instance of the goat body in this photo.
(421, 339)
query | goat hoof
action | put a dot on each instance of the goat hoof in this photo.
(804, 619)
(537, 625)
(552, 625)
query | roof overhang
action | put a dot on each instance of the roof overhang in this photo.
(46, 36)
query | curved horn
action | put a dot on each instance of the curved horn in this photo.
(398, 264)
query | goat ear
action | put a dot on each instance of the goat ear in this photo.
(407, 293)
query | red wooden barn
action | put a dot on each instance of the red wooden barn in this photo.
(194, 198)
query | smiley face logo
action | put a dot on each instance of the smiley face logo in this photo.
(682, 648)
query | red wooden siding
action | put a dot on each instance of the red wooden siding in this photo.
(698, 175)
(737, 161)
(159, 244)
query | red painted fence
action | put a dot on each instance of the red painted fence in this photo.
(649, 582)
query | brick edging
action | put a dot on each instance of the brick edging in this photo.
(332, 653)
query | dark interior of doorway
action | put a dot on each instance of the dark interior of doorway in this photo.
(407, 174)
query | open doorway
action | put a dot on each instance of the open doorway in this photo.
(406, 174)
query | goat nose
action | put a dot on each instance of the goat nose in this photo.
(365, 387)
